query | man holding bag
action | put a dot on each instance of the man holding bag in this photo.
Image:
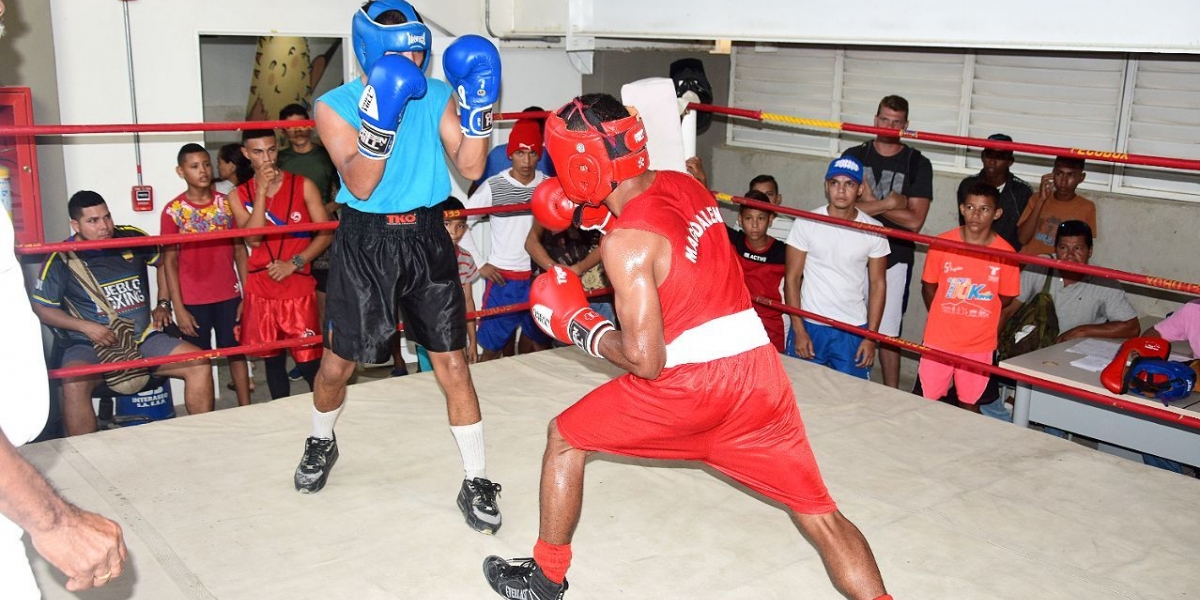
(63, 301)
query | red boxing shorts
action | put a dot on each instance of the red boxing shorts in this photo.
(736, 414)
(267, 320)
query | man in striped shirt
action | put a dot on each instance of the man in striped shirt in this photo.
(507, 268)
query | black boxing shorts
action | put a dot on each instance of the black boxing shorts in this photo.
(384, 265)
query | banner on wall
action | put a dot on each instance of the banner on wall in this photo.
(284, 73)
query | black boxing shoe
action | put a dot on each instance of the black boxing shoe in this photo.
(521, 579)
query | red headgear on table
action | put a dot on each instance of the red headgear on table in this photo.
(591, 163)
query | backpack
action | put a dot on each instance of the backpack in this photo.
(1033, 326)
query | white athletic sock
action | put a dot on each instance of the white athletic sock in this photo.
(470, 446)
(323, 422)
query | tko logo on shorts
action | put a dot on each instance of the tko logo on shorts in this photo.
(401, 220)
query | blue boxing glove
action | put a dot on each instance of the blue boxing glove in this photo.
(472, 67)
(393, 81)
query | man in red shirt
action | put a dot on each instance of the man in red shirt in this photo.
(205, 279)
(703, 381)
(281, 295)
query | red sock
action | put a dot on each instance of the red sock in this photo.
(885, 597)
(554, 559)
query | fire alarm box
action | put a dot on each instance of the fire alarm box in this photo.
(143, 198)
(18, 156)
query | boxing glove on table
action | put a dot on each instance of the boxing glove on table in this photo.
(560, 308)
(392, 82)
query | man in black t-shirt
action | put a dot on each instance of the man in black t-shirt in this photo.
(1014, 192)
(897, 190)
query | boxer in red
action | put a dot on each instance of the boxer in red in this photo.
(703, 381)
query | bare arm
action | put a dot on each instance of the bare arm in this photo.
(1027, 226)
(316, 211)
(586, 263)
(240, 258)
(877, 294)
(169, 270)
(57, 317)
(243, 218)
(359, 173)
(472, 348)
(1009, 310)
(793, 276)
(636, 261)
(533, 246)
(1114, 329)
(913, 216)
(928, 291)
(87, 547)
(467, 154)
(874, 206)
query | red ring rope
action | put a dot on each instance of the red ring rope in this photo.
(256, 349)
(1158, 282)
(1184, 420)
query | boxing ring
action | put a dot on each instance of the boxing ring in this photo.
(954, 505)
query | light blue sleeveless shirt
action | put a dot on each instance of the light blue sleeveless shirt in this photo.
(415, 175)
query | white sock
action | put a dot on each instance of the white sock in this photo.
(470, 446)
(323, 422)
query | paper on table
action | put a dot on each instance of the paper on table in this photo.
(1094, 364)
(1107, 349)
(1096, 348)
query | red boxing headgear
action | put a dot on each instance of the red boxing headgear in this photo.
(591, 163)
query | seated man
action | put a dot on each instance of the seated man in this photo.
(1086, 306)
(122, 275)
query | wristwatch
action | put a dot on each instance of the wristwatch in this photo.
(298, 261)
(164, 303)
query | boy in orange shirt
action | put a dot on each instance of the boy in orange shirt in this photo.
(964, 294)
(1054, 202)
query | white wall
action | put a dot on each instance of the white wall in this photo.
(92, 74)
(1161, 26)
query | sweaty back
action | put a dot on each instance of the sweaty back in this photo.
(705, 280)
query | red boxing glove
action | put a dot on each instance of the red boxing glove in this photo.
(588, 217)
(550, 205)
(560, 308)
(1113, 376)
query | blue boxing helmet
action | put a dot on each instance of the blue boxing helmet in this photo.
(372, 40)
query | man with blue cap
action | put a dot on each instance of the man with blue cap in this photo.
(839, 273)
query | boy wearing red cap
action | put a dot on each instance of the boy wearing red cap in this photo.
(507, 267)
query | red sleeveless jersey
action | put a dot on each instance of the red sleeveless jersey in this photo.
(286, 207)
(705, 281)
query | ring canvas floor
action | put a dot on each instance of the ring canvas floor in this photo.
(955, 505)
